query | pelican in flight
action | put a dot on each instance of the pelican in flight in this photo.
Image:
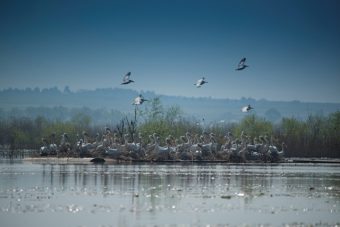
(200, 82)
(242, 64)
(126, 79)
(246, 109)
(139, 100)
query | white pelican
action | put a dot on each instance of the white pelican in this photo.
(200, 82)
(242, 64)
(139, 100)
(246, 109)
(126, 78)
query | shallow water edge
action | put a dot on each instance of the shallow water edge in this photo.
(169, 194)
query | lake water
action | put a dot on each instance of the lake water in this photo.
(189, 194)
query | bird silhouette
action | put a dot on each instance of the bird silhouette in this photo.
(126, 79)
(200, 82)
(246, 109)
(242, 64)
(139, 100)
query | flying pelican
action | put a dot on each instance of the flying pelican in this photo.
(139, 100)
(126, 78)
(200, 82)
(242, 64)
(246, 109)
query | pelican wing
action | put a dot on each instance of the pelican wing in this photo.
(245, 109)
(126, 78)
(138, 100)
(242, 62)
(200, 82)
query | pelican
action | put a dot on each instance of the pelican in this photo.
(126, 78)
(44, 150)
(242, 64)
(139, 100)
(246, 109)
(107, 130)
(200, 82)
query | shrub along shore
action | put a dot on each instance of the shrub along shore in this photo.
(317, 136)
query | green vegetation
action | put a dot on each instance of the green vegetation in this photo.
(164, 122)
(318, 136)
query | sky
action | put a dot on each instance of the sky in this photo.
(292, 46)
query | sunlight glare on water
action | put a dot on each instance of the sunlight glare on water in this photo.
(168, 194)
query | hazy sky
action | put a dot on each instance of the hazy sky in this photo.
(292, 47)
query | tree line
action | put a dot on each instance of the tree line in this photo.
(317, 136)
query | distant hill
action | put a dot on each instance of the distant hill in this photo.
(120, 101)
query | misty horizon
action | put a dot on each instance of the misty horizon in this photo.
(291, 47)
(70, 89)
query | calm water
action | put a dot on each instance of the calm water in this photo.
(168, 195)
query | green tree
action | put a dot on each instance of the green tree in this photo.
(153, 110)
(81, 120)
(254, 126)
(293, 133)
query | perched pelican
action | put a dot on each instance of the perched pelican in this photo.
(139, 100)
(200, 82)
(126, 78)
(242, 64)
(246, 109)
(107, 130)
(44, 150)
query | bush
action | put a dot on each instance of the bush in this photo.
(318, 136)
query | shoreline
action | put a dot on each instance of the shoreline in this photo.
(72, 160)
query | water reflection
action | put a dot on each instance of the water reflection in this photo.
(160, 182)
(146, 194)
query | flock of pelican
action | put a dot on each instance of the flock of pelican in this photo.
(188, 147)
(185, 148)
(140, 99)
